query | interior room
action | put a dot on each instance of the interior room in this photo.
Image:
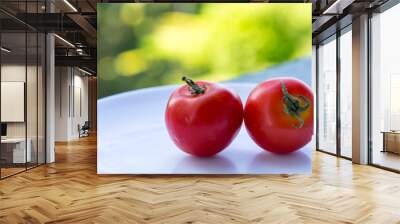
(49, 95)
(22, 102)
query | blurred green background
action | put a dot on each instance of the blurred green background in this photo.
(149, 44)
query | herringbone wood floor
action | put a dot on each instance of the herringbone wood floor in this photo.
(70, 191)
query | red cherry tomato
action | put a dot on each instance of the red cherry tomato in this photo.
(203, 118)
(279, 115)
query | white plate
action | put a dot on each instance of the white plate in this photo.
(132, 139)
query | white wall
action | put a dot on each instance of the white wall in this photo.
(12, 73)
(80, 110)
(62, 82)
(70, 84)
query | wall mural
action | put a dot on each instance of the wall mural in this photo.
(204, 88)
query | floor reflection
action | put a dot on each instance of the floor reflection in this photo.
(386, 159)
(214, 165)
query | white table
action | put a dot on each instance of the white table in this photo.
(19, 155)
(133, 139)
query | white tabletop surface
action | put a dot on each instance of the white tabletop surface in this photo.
(132, 139)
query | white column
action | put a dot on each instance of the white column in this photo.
(50, 92)
(50, 99)
(360, 90)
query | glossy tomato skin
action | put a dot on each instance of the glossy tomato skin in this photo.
(203, 125)
(267, 122)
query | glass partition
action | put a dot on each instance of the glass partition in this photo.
(14, 153)
(41, 107)
(31, 100)
(32, 86)
(327, 96)
(385, 89)
(346, 93)
(23, 89)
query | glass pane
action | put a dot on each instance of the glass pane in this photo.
(327, 96)
(31, 88)
(346, 94)
(13, 86)
(31, 100)
(23, 90)
(41, 99)
(386, 89)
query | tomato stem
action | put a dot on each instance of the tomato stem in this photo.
(294, 105)
(193, 87)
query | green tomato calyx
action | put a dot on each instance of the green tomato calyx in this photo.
(294, 105)
(194, 88)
